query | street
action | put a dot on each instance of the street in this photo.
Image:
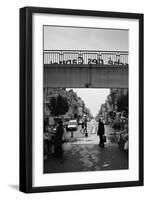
(85, 154)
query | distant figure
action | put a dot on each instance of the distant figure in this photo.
(85, 123)
(58, 139)
(101, 132)
(82, 126)
(110, 62)
(85, 127)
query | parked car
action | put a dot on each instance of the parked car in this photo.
(72, 125)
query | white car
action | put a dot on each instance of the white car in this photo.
(72, 125)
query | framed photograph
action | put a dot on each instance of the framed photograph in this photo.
(81, 99)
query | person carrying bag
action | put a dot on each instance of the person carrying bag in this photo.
(101, 132)
(104, 139)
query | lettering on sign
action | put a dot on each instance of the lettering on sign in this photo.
(71, 58)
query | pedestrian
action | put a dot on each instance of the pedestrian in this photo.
(101, 132)
(46, 143)
(85, 124)
(58, 139)
(82, 126)
(85, 127)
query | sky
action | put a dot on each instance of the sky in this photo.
(93, 98)
(77, 38)
(73, 38)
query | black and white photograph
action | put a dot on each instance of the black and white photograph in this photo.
(85, 99)
(81, 85)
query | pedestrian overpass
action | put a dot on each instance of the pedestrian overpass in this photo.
(85, 69)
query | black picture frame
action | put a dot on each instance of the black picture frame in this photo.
(26, 91)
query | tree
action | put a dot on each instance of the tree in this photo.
(122, 103)
(112, 114)
(58, 105)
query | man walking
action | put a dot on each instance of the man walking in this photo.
(85, 127)
(101, 132)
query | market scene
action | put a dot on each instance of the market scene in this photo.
(85, 99)
(82, 134)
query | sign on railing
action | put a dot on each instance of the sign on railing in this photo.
(86, 57)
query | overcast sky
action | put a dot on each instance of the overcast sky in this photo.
(72, 38)
(93, 98)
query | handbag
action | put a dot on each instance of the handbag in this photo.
(104, 138)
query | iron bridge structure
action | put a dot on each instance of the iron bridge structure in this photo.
(85, 68)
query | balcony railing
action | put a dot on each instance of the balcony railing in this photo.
(79, 57)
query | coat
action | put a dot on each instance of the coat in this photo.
(101, 129)
(59, 136)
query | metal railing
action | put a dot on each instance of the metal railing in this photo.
(89, 57)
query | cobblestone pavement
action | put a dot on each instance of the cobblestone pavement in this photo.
(85, 154)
